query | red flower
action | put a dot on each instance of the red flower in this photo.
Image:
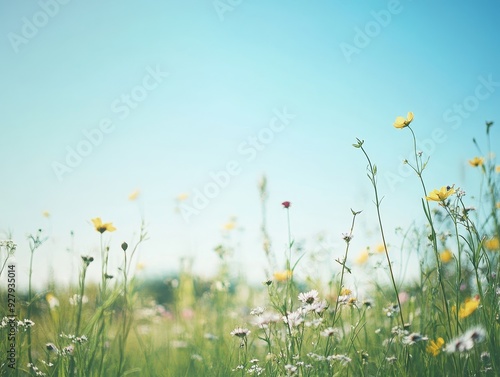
(286, 204)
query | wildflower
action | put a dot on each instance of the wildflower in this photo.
(309, 297)
(263, 321)
(402, 122)
(102, 227)
(497, 205)
(435, 347)
(446, 256)
(230, 225)
(255, 369)
(257, 311)
(352, 301)
(51, 300)
(330, 331)
(492, 244)
(80, 339)
(399, 331)
(291, 369)
(314, 323)
(9, 245)
(497, 168)
(391, 359)
(391, 310)
(347, 237)
(76, 298)
(282, 275)
(476, 161)
(380, 248)
(294, 319)
(441, 195)
(36, 370)
(68, 350)
(51, 347)
(413, 338)
(181, 197)
(468, 307)
(318, 307)
(240, 332)
(467, 341)
(345, 292)
(46, 214)
(134, 195)
(316, 357)
(363, 257)
(344, 359)
(485, 357)
(286, 204)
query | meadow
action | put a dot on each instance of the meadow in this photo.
(443, 323)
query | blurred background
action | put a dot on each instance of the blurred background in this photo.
(186, 105)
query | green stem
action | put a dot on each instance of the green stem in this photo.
(342, 272)
(372, 174)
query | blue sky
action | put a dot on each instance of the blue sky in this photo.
(180, 88)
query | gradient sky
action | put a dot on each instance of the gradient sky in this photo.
(204, 78)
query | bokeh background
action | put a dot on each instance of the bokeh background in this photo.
(182, 88)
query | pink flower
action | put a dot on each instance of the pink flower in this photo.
(286, 204)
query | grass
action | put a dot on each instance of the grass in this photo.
(443, 323)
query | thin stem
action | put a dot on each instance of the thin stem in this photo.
(418, 170)
(344, 268)
(372, 173)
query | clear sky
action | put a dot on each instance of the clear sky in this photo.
(103, 98)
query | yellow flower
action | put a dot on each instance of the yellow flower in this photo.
(380, 248)
(435, 347)
(230, 225)
(46, 214)
(476, 161)
(498, 205)
(345, 292)
(134, 195)
(181, 197)
(363, 257)
(282, 275)
(101, 228)
(492, 244)
(140, 266)
(446, 256)
(51, 300)
(468, 307)
(352, 301)
(402, 122)
(440, 195)
(497, 168)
